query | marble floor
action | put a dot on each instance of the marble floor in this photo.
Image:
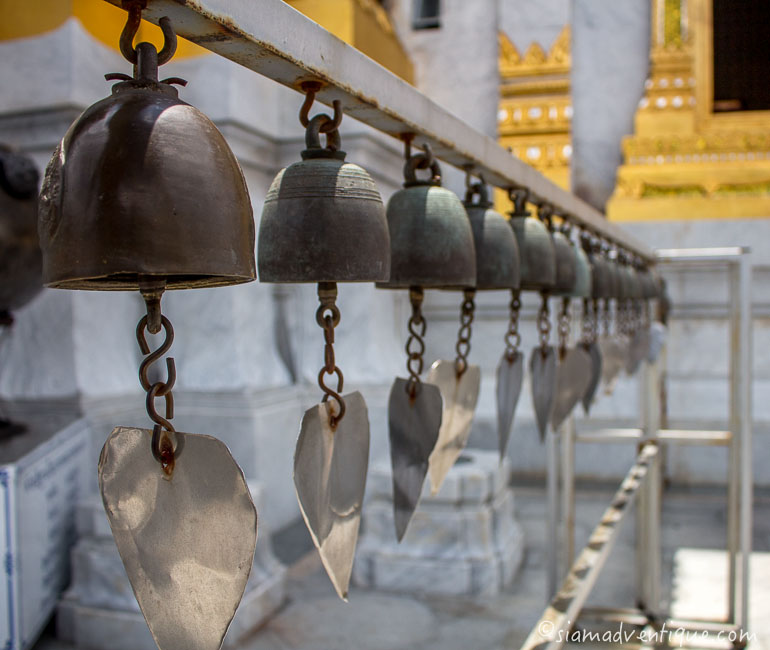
(694, 567)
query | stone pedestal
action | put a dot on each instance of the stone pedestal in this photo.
(465, 541)
(99, 611)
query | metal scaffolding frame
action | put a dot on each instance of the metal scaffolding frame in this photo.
(644, 484)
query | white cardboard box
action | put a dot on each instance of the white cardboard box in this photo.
(38, 493)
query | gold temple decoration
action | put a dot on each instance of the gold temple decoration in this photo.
(535, 107)
(684, 161)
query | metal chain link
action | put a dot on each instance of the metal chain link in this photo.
(463, 346)
(163, 449)
(328, 317)
(415, 344)
(587, 323)
(607, 316)
(512, 336)
(564, 323)
(594, 320)
(544, 322)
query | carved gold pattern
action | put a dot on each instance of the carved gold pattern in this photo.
(535, 109)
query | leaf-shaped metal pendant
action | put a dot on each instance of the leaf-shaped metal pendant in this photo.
(572, 378)
(542, 370)
(596, 375)
(657, 340)
(187, 540)
(414, 423)
(614, 356)
(510, 374)
(330, 468)
(640, 346)
(460, 394)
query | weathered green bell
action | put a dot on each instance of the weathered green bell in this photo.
(649, 284)
(323, 218)
(566, 264)
(536, 249)
(497, 253)
(431, 240)
(614, 281)
(599, 274)
(144, 190)
(581, 268)
(20, 257)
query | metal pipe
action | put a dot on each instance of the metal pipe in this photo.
(275, 40)
(552, 516)
(567, 432)
(550, 632)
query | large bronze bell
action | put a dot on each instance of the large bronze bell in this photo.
(566, 264)
(143, 189)
(20, 257)
(580, 267)
(431, 241)
(536, 251)
(323, 219)
(497, 253)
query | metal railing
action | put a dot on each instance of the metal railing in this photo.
(275, 40)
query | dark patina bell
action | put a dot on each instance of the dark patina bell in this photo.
(536, 251)
(20, 257)
(566, 264)
(583, 274)
(323, 219)
(497, 253)
(144, 190)
(599, 280)
(431, 241)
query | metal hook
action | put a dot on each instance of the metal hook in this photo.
(332, 123)
(130, 29)
(519, 197)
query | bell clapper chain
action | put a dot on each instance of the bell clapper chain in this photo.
(544, 323)
(512, 336)
(328, 317)
(564, 327)
(415, 344)
(463, 346)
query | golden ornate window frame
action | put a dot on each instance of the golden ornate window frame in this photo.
(701, 12)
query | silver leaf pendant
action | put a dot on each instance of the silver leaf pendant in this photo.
(657, 340)
(186, 539)
(640, 346)
(330, 468)
(572, 378)
(596, 375)
(460, 394)
(414, 422)
(614, 357)
(510, 374)
(542, 370)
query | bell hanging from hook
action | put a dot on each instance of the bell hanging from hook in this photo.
(431, 248)
(614, 347)
(599, 291)
(498, 266)
(575, 364)
(324, 222)
(143, 193)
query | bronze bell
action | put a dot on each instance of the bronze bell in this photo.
(583, 272)
(614, 283)
(143, 189)
(566, 265)
(20, 257)
(323, 218)
(431, 241)
(599, 279)
(536, 251)
(497, 253)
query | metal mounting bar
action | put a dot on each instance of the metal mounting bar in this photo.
(273, 39)
(550, 632)
(678, 436)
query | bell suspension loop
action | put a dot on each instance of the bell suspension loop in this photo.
(165, 448)
(328, 317)
(415, 344)
(512, 336)
(463, 345)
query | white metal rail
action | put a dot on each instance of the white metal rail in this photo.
(273, 39)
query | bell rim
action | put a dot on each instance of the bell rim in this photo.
(129, 281)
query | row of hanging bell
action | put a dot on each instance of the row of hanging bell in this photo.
(123, 207)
